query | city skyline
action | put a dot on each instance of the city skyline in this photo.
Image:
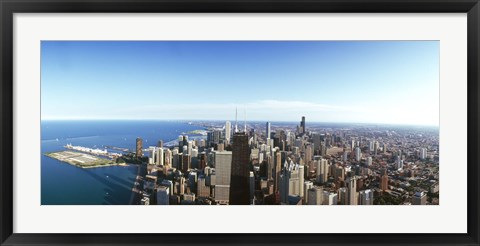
(380, 82)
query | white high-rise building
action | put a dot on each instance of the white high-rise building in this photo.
(301, 177)
(358, 154)
(228, 131)
(322, 170)
(189, 147)
(399, 163)
(152, 152)
(423, 153)
(159, 157)
(369, 161)
(223, 166)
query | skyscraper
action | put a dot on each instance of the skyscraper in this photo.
(423, 153)
(239, 182)
(278, 169)
(322, 170)
(139, 147)
(366, 197)
(302, 125)
(420, 198)
(223, 164)
(159, 157)
(268, 130)
(384, 183)
(290, 181)
(315, 195)
(369, 161)
(352, 190)
(228, 131)
(358, 153)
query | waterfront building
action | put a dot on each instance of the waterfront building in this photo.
(152, 153)
(139, 147)
(240, 171)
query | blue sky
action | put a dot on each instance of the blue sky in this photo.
(326, 81)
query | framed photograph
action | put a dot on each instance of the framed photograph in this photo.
(261, 122)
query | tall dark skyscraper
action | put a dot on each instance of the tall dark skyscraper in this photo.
(240, 172)
(302, 124)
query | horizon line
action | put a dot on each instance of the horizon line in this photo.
(282, 121)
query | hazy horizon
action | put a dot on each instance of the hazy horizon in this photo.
(240, 122)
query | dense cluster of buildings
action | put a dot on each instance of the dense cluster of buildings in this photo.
(265, 164)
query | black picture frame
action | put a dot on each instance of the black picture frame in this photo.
(9, 7)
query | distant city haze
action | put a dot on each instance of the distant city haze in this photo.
(391, 82)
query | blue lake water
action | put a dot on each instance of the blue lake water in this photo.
(64, 184)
